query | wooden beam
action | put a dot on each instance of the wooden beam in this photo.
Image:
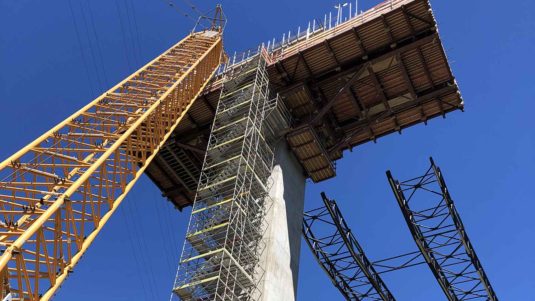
(208, 104)
(307, 67)
(379, 88)
(350, 67)
(190, 147)
(428, 22)
(331, 52)
(407, 19)
(193, 121)
(358, 105)
(176, 180)
(388, 31)
(282, 72)
(424, 63)
(360, 43)
(406, 76)
(356, 127)
(356, 75)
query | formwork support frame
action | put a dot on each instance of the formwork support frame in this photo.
(340, 255)
(440, 235)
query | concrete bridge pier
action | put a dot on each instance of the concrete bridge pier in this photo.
(280, 259)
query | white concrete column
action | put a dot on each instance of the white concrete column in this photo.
(283, 235)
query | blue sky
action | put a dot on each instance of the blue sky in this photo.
(487, 153)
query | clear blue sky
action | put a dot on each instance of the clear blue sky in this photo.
(486, 153)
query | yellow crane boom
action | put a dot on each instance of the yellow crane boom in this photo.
(58, 192)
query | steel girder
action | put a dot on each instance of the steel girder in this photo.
(438, 231)
(341, 256)
(57, 193)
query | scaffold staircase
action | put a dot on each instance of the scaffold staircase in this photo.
(221, 254)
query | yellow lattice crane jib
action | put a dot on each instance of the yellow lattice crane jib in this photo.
(58, 192)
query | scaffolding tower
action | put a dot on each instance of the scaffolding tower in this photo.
(221, 254)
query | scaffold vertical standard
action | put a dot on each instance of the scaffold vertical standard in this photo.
(221, 254)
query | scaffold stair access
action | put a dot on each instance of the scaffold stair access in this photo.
(57, 193)
(220, 257)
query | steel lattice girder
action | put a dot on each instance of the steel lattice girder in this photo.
(440, 235)
(340, 255)
(57, 193)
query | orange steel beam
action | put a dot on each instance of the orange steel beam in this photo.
(58, 192)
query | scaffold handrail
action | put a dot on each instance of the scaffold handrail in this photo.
(439, 233)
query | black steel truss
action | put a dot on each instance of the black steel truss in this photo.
(341, 256)
(440, 235)
(398, 262)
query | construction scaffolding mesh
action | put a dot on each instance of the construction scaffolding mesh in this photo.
(221, 254)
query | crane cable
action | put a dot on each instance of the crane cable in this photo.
(171, 4)
(133, 211)
(99, 47)
(130, 31)
(193, 7)
(92, 55)
(91, 88)
(136, 38)
(166, 235)
(125, 44)
(138, 246)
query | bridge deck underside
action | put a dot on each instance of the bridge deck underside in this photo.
(376, 74)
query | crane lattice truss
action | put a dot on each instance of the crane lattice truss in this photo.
(57, 193)
(341, 256)
(440, 235)
(220, 258)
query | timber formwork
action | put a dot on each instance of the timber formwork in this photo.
(440, 235)
(221, 254)
(57, 193)
(340, 255)
(378, 73)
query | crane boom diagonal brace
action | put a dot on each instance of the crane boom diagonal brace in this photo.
(57, 193)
